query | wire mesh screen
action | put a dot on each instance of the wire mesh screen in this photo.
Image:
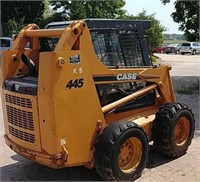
(131, 48)
(107, 47)
(117, 48)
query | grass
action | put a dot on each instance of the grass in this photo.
(174, 41)
(191, 88)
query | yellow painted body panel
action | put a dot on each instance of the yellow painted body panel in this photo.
(67, 108)
(67, 121)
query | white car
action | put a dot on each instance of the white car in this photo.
(5, 43)
(190, 47)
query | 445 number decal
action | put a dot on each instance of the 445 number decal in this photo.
(77, 83)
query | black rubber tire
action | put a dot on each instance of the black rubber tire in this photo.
(194, 52)
(108, 149)
(164, 126)
(177, 52)
(182, 53)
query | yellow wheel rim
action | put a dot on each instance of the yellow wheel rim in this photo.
(130, 155)
(181, 131)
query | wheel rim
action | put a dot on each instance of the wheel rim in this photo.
(130, 155)
(181, 131)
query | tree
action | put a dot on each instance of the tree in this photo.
(90, 9)
(105, 9)
(16, 14)
(187, 15)
(155, 33)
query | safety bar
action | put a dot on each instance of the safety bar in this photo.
(44, 33)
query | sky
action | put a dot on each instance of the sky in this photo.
(163, 12)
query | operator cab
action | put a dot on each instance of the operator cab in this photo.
(117, 44)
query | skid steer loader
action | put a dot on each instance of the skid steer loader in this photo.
(85, 93)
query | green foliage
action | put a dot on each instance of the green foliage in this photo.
(155, 33)
(174, 41)
(69, 8)
(105, 9)
(174, 37)
(77, 10)
(16, 14)
(39, 12)
(90, 9)
(187, 15)
(51, 18)
(12, 26)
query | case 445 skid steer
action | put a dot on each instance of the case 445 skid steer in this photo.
(85, 93)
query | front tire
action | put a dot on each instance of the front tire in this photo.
(173, 129)
(121, 152)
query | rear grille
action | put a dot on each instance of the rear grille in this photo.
(20, 118)
(23, 102)
(22, 135)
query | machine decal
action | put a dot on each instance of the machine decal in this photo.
(77, 83)
(77, 70)
(118, 77)
(74, 59)
(129, 76)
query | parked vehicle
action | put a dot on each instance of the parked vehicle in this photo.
(178, 47)
(5, 43)
(173, 48)
(190, 47)
(160, 49)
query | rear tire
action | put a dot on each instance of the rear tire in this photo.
(173, 129)
(182, 53)
(193, 52)
(121, 152)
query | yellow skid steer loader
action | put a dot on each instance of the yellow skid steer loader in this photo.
(85, 93)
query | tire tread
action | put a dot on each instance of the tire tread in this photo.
(102, 156)
(161, 130)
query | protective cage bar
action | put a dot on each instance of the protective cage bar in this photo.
(117, 42)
